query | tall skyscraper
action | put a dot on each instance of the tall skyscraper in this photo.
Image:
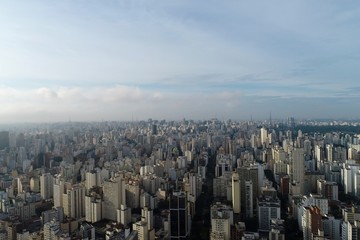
(148, 216)
(268, 208)
(249, 203)
(142, 230)
(319, 157)
(114, 196)
(74, 201)
(236, 193)
(329, 153)
(55, 214)
(87, 231)
(180, 220)
(51, 229)
(46, 186)
(298, 167)
(58, 189)
(277, 230)
(93, 208)
(291, 122)
(221, 220)
(154, 130)
(263, 135)
(92, 179)
(311, 222)
(350, 230)
(249, 174)
(4, 139)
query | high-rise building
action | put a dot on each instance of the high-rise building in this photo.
(222, 187)
(319, 153)
(74, 201)
(307, 147)
(24, 235)
(51, 229)
(58, 190)
(221, 220)
(332, 227)
(92, 179)
(93, 208)
(298, 167)
(329, 152)
(291, 122)
(350, 179)
(35, 184)
(357, 184)
(18, 185)
(223, 166)
(4, 139)
(180, 220)
(311, 222)
(125, 215)
(236, 193)
(277, 230)
(284, 185)
(20, 140)
(249, 203)
(314, 200)
(268, 208)
(148, 216)
(87, 231)
(328, 189)
(114, 196)
(350, 231)
(250, 173)
(56, 214)
(263, 135)
(154, 129)
(142, 230)
(46, 186)
(133, 192)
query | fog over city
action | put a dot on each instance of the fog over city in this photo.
(123, 60)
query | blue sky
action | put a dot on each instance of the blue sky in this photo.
(115, 60)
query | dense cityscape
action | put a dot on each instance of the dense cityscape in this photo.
(179, 120)
(184, 179)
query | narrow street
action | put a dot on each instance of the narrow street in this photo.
(201, 222)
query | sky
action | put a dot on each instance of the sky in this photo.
(89, 60)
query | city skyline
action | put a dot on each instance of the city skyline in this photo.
(124, 60)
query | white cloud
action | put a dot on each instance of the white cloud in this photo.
(118, 102)
(47, 93)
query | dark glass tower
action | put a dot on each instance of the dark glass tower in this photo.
(179, 216)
